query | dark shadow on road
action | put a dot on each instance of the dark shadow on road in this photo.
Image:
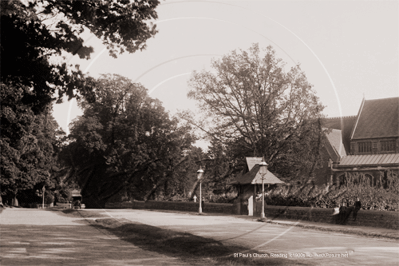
(77, 213)
(185, 246)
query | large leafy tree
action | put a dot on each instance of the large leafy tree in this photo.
(221, 166)
(34, 31)
(34, 36)
(124, 139)
(254, 108)
(29, 144)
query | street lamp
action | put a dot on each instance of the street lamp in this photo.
(199, 175)
(263, 171)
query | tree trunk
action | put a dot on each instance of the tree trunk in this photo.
(155, 186)
(193, 188)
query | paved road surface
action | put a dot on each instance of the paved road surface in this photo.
(269, 238)
(37, 237)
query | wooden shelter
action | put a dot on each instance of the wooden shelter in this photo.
(249, 186)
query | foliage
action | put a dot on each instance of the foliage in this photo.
(34, 35)
(379, 197)
(180, 187)
(35, 31)
(220, 168)
(28, 144)
(252, 107)
(383, 195)
(124, 139)
(49, 197)
(63, 195)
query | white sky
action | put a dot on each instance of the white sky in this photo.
(346, 48)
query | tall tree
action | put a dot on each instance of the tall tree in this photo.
(28, 145)
(124, 138)
(33, 35)
(256, 108)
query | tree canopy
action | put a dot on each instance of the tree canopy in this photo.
(255, 108)
(28, 144)
(34, 35)
(124, 138)
(34, 31)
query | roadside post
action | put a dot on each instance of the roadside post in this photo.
(263, 172)
(199, 176)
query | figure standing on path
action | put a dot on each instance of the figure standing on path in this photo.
(358, 205)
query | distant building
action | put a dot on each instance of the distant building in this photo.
(367, 144)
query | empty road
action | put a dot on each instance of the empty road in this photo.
(37, 237)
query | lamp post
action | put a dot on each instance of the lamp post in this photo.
(199, 175)
(263, 171)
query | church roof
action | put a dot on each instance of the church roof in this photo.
(377, 118)
(370, 160)
(345, 124)
(335, 139)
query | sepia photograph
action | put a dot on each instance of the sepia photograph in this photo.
(199, 132)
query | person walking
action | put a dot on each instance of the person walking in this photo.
(358, 205)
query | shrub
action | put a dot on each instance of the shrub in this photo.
(48, 198)
(371, 197)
